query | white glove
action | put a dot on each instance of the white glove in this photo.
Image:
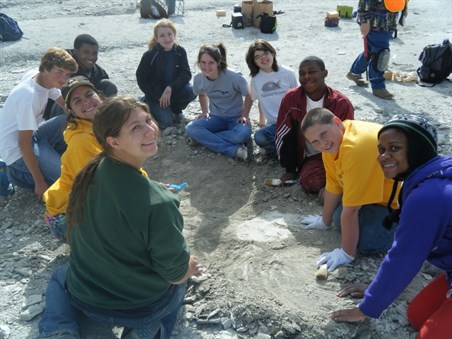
(313, 222)
(335, 259)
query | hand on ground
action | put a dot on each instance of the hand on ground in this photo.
(313, 222)
(334, 259)
(354, 290)
(348, 315)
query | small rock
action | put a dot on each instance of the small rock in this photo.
(213, 313)
(4, 331)
(32, 312)
(253, 331)
(168, 131)
(226, 322)
(31, 300)
(280, 335)
(25, 272)
(199, 279)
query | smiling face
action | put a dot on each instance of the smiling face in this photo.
(312, 79)
(165, 37)
(86, 56)
(209, 67)
(56, 77)
(264, 60)
(83, 102)
(137, 139)
(326, 138)
(393, 152)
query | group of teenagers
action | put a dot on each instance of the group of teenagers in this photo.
(384, 186)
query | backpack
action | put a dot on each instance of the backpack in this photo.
(9, 29)
(436, 62)
(153, 8)
(395, 5)
(268, 23)
(237, 21)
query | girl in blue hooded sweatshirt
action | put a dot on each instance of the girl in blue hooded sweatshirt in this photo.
(408, 151)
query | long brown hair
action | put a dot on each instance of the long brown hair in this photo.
(110, 117)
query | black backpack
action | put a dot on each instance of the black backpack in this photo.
(9, 29)
(436, 62)
(268, 23)
(153, 9)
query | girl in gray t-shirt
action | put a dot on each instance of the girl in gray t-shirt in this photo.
(220, 127)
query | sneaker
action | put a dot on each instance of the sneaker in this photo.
(357, 78)
(242, 153)
(191, 142)
(177, 118)
(382, 93)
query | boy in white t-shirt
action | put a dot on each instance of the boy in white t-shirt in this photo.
(31, 153)
(269, 83)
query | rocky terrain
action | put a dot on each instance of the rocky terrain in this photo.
(260, 263)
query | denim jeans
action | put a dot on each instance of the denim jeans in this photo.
(5, 186)
(166, 117)
(218, 134)
(265, 138)
(374, 238)
(48, 145)
(63, 313)
(376, 41)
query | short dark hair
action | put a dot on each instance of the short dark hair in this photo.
(84, 39)
(317, 116)
(313, 59)
(260, 45)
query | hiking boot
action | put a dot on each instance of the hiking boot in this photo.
(382, 93)
(357, 78)
(242, 153)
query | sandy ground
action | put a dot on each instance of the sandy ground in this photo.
(259, 262)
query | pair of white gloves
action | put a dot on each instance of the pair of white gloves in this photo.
(333, 259)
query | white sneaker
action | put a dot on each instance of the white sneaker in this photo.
(242, 153)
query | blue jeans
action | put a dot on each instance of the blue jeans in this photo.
(63, 312)
(376, 41)
(5, 186)
(374, 238)
(180, 99)
(48, 145)
(265, 138)
(218, 134)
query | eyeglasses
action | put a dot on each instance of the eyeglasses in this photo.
(257, 57)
